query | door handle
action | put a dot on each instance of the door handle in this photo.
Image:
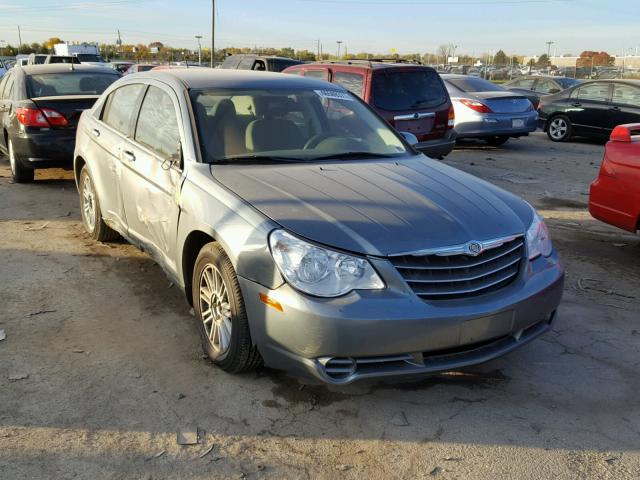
(614, 109)
(96, 132)
(576, 104)
(128, 155)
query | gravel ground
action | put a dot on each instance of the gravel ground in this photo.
(101, 364)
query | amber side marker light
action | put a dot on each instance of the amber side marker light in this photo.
(271, 302)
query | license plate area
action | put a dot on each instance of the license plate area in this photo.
(517, 123)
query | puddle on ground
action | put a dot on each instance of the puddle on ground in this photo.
(553, 203)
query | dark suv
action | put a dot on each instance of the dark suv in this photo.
(258, 62)
(411, 97)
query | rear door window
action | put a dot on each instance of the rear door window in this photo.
(246, 63)
(626, 95)
(120, 107)
(524, 83)
(594, 92)
(408, 90)
(546, 86)
(351, 81)
(157, 124)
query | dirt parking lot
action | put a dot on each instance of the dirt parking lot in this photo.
(101, 364)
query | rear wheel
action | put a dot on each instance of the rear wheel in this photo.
(221, 314)
(496, 141)
(559, 129)
(90, 210)
(19, 173)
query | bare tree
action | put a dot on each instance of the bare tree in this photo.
(445, 51)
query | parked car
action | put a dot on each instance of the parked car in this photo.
(258, 62)
(591, 109)
(40, 106)
(61, 59)
(120, 66)
(307, 233)
(487, 111)
(410, 97)
(3, 67)
(37, 59)
(140, 67)
(615, 194)
(536, 86)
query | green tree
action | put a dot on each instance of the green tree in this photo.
(501, 58)
(543, 61)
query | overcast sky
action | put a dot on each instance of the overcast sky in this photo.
(475, 26)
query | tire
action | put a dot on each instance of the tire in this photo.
(496, 141)
(559, 128)
(19, 173)
(90, 210)
(214, 281)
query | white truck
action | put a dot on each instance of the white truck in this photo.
(86, 52)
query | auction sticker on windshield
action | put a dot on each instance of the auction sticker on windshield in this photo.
(334, 95)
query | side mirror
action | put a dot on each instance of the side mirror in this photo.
(554, 90)
(410, 138)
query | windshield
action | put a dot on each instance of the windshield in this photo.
(296, 125)
(473, 84)
(397, 91)
(89, 57)
(72, 83)
(567, 82)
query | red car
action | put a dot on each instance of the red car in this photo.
(615, 194)
(412, 98)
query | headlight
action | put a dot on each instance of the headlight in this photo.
(538, 239)
(319, 271)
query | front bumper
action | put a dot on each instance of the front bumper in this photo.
(490, 125)
(371, 334)
(45, 149)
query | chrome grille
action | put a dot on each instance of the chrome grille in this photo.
(450, 276)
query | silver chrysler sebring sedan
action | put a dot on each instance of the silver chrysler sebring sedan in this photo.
(306, 233)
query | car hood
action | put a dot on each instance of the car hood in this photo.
(380, 207)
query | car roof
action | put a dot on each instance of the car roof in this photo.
(201, 78)
(257, 55)
(453, 76)
(367, 64)
(63, 68)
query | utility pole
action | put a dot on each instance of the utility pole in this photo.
(213, 32)
(549, 49)
(19, 39)
(119, 44)
(199, 37)
(339, 42)
(318, 57)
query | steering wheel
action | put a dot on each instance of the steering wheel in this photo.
(315, 140)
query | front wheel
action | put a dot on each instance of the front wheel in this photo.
(19, 173)
(221, 314)
(90, 210)
(559, 129)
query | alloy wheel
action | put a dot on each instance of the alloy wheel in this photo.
(12, 158)
(215, 309)
(88, 203)
(558, 128)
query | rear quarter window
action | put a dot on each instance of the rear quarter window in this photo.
(408, 90)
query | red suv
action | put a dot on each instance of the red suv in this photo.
(412, 98)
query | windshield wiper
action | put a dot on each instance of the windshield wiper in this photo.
(355, 155)
(256, 159)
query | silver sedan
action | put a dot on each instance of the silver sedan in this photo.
(487, 111)
(306, 233)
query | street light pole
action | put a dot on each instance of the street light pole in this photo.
(199, 37)
(213, 32)
(339, 42)
(549, 49)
